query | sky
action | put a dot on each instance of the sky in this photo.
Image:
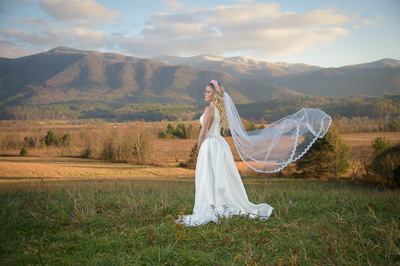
(326, 33)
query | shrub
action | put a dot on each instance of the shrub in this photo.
(23, 152)
(87, 152)
(385, 166)
(164, 135)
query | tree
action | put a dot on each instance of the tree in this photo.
(181, 131)
(251, 127)
(170, 128)
(340, 152)
(190, 131)
(380, 144)
(142, 148)
(51, 138)
(23, 152)
(386, 166)
(194, 152)
(393, 126)
(67, 139)
(315, 162)
(108, 152)
(329, 156)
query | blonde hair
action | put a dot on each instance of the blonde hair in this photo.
(219, 103)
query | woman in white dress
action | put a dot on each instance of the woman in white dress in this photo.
(219, 189)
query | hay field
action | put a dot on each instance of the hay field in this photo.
(59, 172)
(51, 164)
(363, 140)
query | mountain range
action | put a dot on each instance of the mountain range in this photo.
(376, 78)
(66, 75)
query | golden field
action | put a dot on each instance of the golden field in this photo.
(55, 165)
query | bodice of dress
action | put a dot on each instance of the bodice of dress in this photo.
(216, 125)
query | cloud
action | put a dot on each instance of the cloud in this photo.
(70, 10)
(242, 13)
(257, 30)
(50, 38)
(173, 5)
(245, 1)
(171, 25)
(12, 50)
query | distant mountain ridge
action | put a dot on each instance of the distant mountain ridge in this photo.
(375, 78)
(64, 74)
(70, 76)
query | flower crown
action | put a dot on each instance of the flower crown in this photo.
(215, 83)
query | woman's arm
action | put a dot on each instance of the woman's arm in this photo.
(207, 122)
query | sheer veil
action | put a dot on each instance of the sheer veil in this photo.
(271, 149)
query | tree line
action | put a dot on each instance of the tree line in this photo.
(113, 144)
(381, 111)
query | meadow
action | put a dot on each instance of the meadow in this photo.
(84, 211)
(60, 209)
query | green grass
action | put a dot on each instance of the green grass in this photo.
(313, 223)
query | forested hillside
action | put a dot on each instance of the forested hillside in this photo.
(387, 108)
(70, 77)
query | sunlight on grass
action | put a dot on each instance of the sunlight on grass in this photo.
(132, 221)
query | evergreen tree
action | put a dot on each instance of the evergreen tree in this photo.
(194, 152)
(386, 166)
(380, 144)
(328, 156)
(51, 138)
(170, 128)
(340, 152)
(316, 161)
(23, 152)
(181, 131)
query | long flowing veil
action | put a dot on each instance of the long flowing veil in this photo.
(271, 149)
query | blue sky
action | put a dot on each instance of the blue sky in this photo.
(330, 33)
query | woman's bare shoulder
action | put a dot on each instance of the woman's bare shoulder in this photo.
(209, 110)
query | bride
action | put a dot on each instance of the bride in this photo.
(219, 189)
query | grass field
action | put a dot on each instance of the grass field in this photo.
(75, 211)
(62, 210)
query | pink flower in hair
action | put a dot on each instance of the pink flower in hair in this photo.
(215, 83)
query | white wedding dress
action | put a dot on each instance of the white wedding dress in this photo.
(219, 188)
